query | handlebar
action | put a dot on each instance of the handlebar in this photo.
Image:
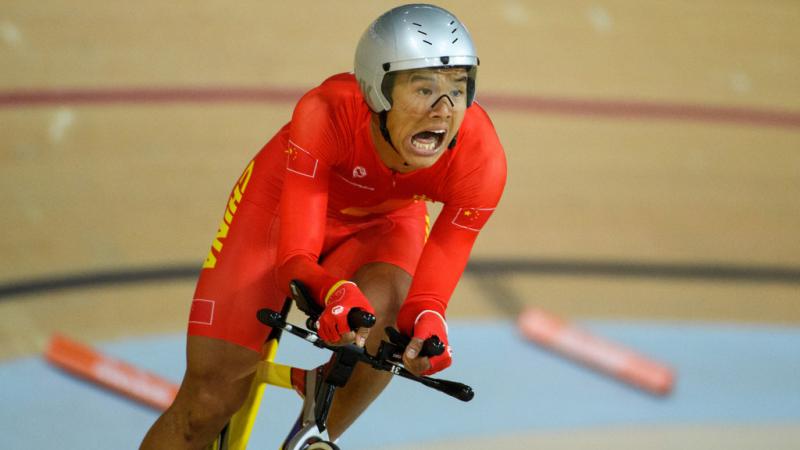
(388, 358)
(433, 346)
(358, 318)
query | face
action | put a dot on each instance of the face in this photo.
(428, 106)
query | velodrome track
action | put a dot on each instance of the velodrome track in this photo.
(653, 195)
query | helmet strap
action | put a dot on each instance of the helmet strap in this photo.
(385, 133)
(384, 130)
(453, 142)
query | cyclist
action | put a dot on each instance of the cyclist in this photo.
(336, 200)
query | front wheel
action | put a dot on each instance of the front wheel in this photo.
(323, 445)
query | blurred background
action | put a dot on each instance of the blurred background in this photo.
(653, 149)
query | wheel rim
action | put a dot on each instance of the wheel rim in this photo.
(322, 445)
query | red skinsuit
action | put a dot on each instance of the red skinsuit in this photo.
(317, 203)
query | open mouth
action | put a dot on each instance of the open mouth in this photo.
(428, 141)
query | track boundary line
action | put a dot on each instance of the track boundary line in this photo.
(483, 268)
(554, 105)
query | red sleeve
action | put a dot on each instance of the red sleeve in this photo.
(315, 137)
(473, 189)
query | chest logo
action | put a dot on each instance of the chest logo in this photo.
(359, 172)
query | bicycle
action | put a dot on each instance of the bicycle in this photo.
(310, 432)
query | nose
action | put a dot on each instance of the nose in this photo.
(443, 106)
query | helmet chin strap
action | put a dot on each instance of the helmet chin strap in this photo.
(385, 133)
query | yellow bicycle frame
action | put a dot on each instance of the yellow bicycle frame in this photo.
(236, 433)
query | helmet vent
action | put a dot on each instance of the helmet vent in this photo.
(422, 32)
(454, 41)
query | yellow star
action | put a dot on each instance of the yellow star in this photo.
(421, 197)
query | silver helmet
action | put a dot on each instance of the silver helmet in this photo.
(412, 37)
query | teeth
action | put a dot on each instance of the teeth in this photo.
(422, 146)
(432, 145)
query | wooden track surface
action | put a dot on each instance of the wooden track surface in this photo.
(87, 187)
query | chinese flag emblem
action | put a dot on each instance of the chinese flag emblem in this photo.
(202, 311)
(472, 218)
(300, 161)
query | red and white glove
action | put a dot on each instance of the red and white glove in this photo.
(341, 298)
(427, 323)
